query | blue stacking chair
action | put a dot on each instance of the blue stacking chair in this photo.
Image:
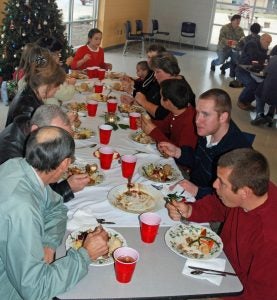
(130, 37)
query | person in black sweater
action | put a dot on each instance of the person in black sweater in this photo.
(218, 134)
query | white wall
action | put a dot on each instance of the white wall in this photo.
(171, 13)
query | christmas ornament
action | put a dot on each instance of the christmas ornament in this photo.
(23, 33)
(17, 4)
(45, 22)
(15, 55)
(2, 35)
(39, 26)
(29, 21)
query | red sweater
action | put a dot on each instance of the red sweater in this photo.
(97, 58)
(250, 242)
(179, 130)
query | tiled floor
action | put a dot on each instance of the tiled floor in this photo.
(195, 66)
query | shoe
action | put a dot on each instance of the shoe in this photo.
(212, 68)
(245, 106)
(269, 119)
(259, 120)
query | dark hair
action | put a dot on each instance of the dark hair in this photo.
(274, 51)
(47, 147)
(222, 100)
(249, 168)
(45, 114)
(166, 62)
(156, 48)
(93, 31)
(143, 64)
(50, 43)
(44, 70)
(255, 28)
(235, 17)
(177, 91)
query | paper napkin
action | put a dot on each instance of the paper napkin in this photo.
(215, 264)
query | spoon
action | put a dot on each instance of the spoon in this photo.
(198, 272)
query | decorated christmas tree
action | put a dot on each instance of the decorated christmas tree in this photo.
(25, 21)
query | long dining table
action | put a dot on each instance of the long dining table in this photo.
(159, 270)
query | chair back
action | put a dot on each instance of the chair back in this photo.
(155, 26)
(188, 29)
(128, 29)
(139, 27)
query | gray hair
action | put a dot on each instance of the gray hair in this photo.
(45, 114)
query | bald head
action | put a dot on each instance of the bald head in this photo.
(47, 147)
(265, 40)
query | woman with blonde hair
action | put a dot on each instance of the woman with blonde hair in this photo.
(43, 78)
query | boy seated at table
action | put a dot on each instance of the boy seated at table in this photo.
(178, 127)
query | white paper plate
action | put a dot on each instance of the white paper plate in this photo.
(134, 204)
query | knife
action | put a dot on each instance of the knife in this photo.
(211, 270)
(87, 146)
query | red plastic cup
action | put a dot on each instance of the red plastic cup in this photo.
(106, 157)
(111, 105)
(125, 259)
(98, 87)
(128, 164)
(105, 133)
(101, 74)
(149, 226)
(92, 108)
(133, 117)
(230, 43)
(92, 72)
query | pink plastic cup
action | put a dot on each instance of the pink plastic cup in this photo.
(106, 157)
(92, 108)
(92, 72)
(149, 226)
(133, 118)
(105, 133)
(111, 105)
(128, 164)
(101, 74)
(125, 260)
(98, 87)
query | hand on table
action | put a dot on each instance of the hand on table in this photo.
(49, 255)
(178, 209)
(169, 149)
(126, 99)
(78, 181)
(96, 243)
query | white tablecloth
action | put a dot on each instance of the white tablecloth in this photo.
(93, 200)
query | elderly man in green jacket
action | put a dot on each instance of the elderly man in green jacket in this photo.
(230, 35)
(33, 221)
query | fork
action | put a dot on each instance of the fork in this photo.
(157, 187)
(103, 221)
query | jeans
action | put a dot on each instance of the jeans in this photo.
(224, 54)
(250, 85)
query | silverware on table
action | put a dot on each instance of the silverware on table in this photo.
(198, 272)
(157, 187)
(103, 221)
(212, 270)
(87, 146)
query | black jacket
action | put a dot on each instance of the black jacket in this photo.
(12, 144)
(24, 103)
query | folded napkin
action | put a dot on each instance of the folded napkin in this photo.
(178, 190)
(215, 264)
(81, 218)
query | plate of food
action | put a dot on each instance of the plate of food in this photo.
(96, 176)
(141, 138)
(117, 86)
(159, 172)
(78, 74)
(83, 87)
(125, 109)
(83, 133)
(193, 241)
(138, 199)
(100, 97)
(76, 106)
(76, 238)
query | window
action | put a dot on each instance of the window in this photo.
(79, 16)
(261, 11)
